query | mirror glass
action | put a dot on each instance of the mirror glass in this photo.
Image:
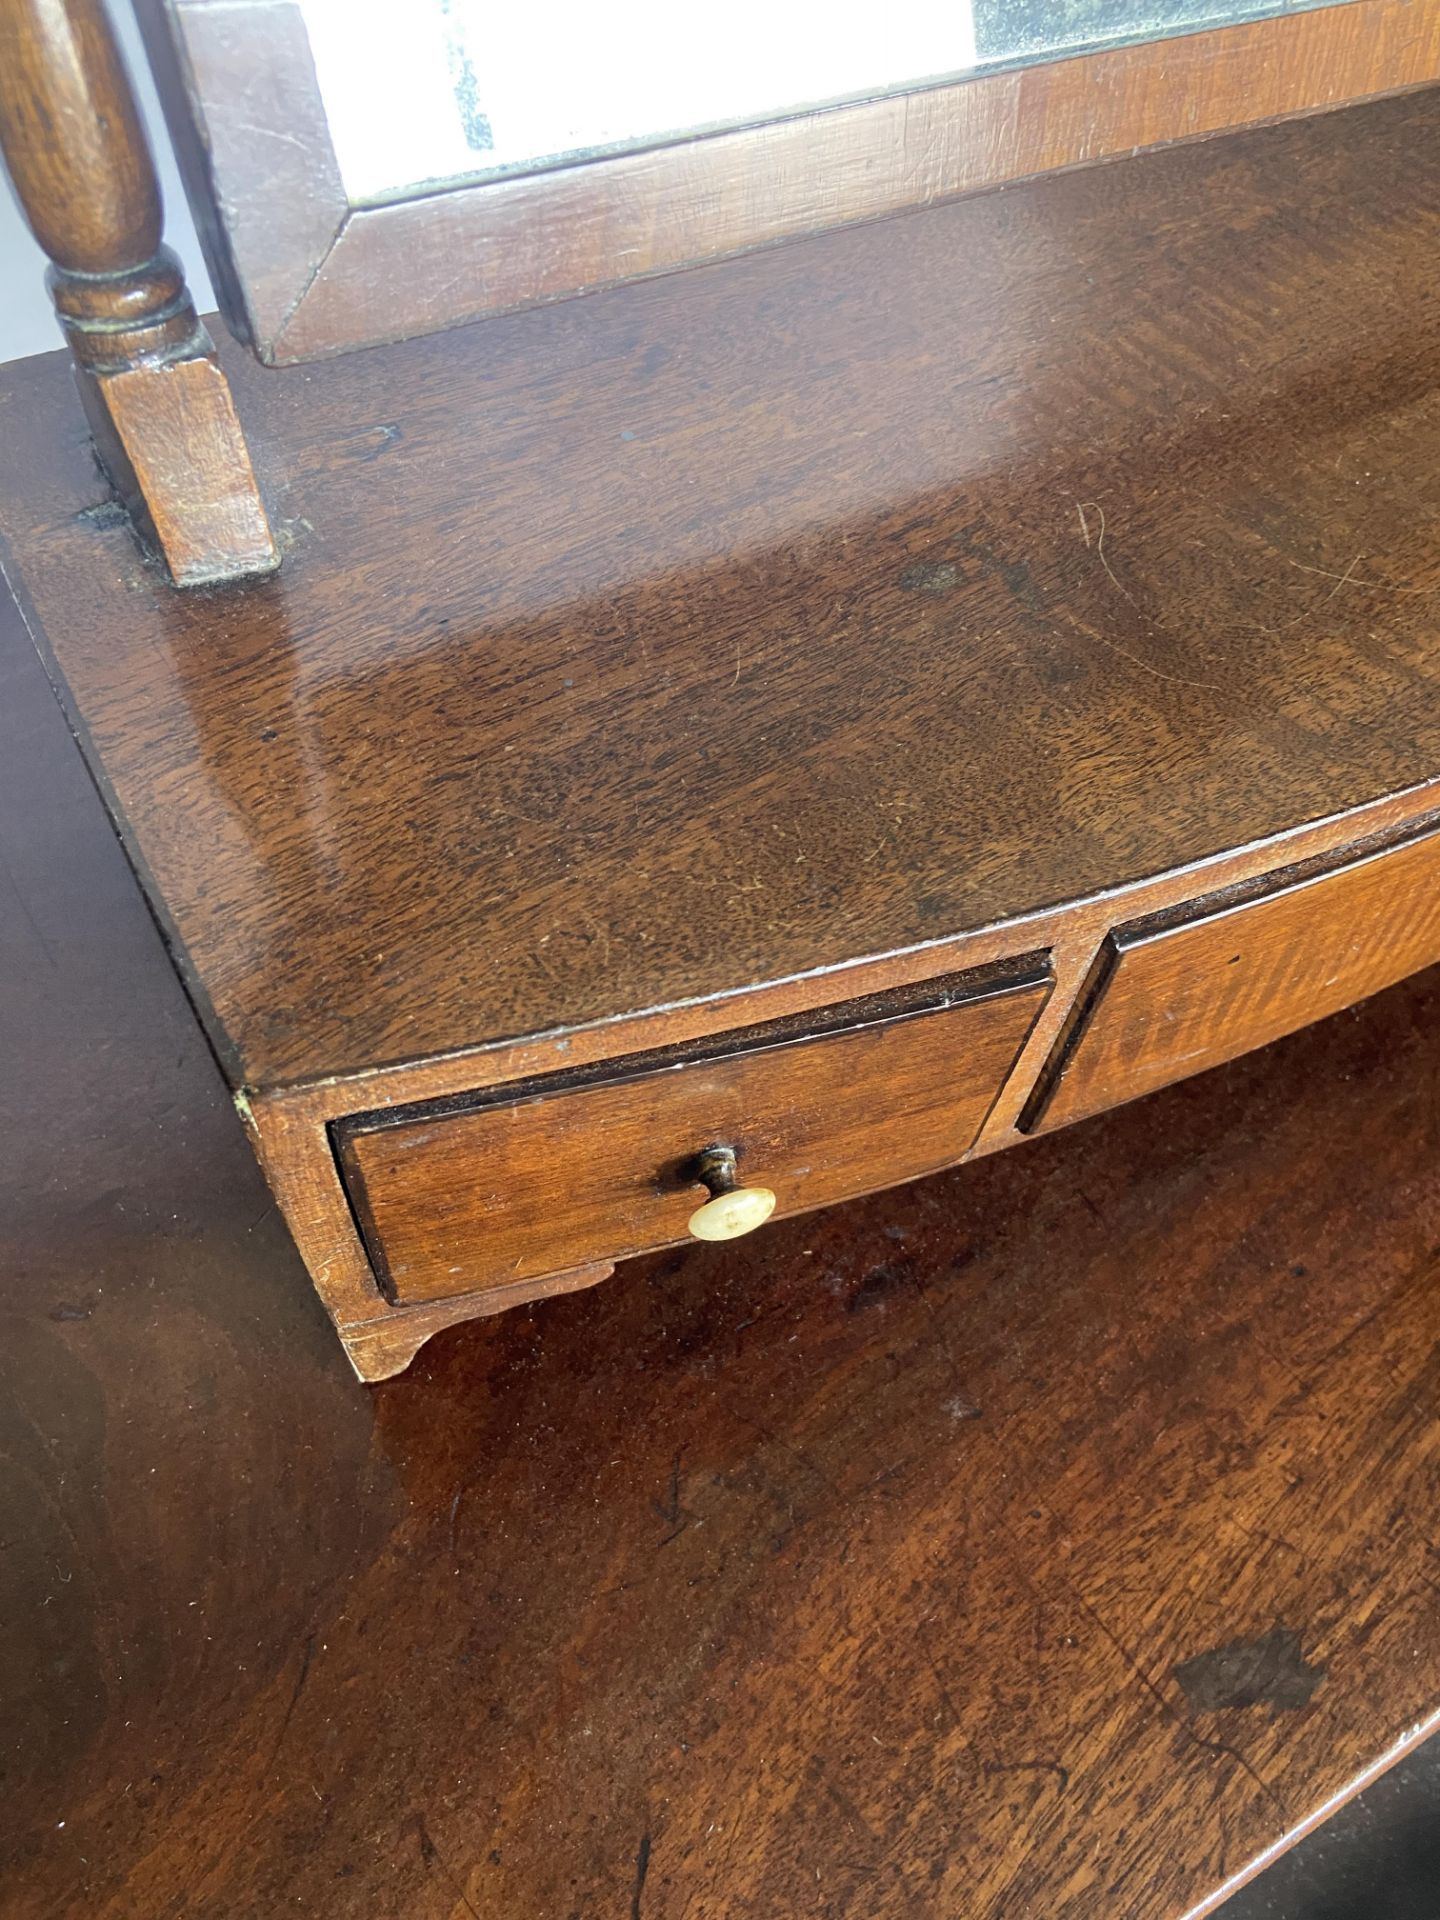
(436, 93)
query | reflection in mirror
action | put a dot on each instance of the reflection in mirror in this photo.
(452, 91)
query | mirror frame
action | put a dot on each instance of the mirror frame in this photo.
(301, 273)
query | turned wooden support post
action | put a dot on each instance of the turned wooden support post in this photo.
(158, 405)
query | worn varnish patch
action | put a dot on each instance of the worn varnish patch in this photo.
(1270, 1671)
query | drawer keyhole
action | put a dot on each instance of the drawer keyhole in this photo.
(731, 1209)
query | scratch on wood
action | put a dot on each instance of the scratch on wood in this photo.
(1100, 544)
(1341, 579)
(1218, 1747)
(670, 1511)
(433, 1857)
(1347, 579)
(306, 1657)
(1062, 1774)
(1173, 679)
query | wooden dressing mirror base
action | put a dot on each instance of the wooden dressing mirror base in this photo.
(163, 424)
(853, 707)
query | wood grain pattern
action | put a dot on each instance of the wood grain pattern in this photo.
(158, 405)
(831, 659)
(814, 1571)
(393, 271)
(1178, 998)
(549, 1178)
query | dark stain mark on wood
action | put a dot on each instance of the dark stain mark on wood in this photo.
(877, 1286)
(930, 576)
(67, 1310)
(1270, 1671)
(642, 1868)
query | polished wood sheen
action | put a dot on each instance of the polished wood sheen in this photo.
(158, 405)
(720, 630)
(1174, 999)
(855, 1571)
(305, 274)
(544, 1179)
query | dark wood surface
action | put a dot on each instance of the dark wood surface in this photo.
(547, 1179)
(816, 605)
(158, 405)
(901, 1563)
(1173, 999)
(306, 274)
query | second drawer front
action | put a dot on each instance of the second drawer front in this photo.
(515, 1189)
(1172, 1001)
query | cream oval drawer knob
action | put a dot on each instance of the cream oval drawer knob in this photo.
(732, 1209)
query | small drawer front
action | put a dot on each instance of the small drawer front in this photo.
(1170, 1001)
(515, 1188)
